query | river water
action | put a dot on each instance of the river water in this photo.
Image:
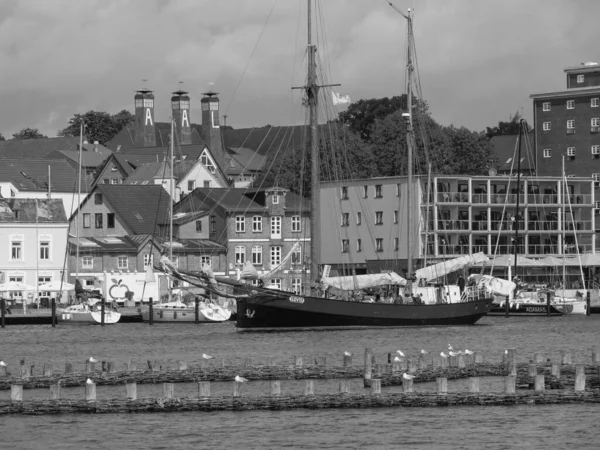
(502, 427)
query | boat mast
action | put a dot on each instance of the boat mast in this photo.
(409, 147)
(171, 196)
(564, 223)
(516, 221)
(78, 198)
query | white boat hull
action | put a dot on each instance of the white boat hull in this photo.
(186, 314)
(87, 317)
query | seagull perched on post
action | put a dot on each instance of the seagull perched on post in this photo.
(396, 359)
(240, 379)
(2, 363)
(450, 347)
(91, 359)
(452, 353)
(424, 352)
(205, 356)
(469, 352)
(89, 381)
(443, 355)
(400, 353)
(347, 354)
(407, 376)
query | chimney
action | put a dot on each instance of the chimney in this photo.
(180, 104)
(211, 131)
(144, 119)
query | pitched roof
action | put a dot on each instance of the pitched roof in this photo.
(32, 210)
(244, 160)
(139, 207)
(505, 149)
(32, 174)
(125, 139)
(160, 170)
(36, 148)
(88, 159)
(266, 139)
(129, 162)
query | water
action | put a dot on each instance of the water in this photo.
(531, 427)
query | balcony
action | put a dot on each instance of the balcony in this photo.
(453, 197)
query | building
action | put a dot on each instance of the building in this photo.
(33, 233)
(269, 227)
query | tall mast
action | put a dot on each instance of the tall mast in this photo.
(78, 198)
(409, 147)
(516, 244)
(171, 192)
(564, 222)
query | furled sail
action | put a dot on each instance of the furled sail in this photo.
(445, 267)
(356, 282)
(496, 286)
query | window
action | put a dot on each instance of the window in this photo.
(570, 104)
(297, 286)
(198, 226)
(358, 218)
(359, 245)
(365, 191)
(45, 250)
(114, 181)
(595, 102)
(86, 220)
(595, 122)
(16, 248)
(205, 259)
(597, 205)
(87, 262)
(379, 244)
(110, 220)
(596, 178)
(546, 106)
(345, 246)
(98, 199)
(395, 216)
(596, 151)
(296, 228)
(98, 220)
(345, 219)
(276, 227)
(240, 224)
(240, 254)
(378, 217)
(378, 191)
(396, 244)
(275, 256)
(570, 126)
(191, 185)
(276, 283)
(275, 199)
(297, 256)
(257, 254)
(344, 192)
(571, 152)
(547, 152)
(148, 260)
(546, 126)
(206, 162)
(398, 190)
(122, 262)
(257, 224)
(580, 78)
(105, 180)
(213, 224)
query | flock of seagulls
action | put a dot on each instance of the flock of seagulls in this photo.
(424, 352)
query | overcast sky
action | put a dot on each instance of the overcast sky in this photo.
(478, 60)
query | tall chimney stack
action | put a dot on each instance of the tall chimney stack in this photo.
(180, 104)
(210, 126)
(144, 119)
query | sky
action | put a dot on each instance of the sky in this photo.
(479, 60)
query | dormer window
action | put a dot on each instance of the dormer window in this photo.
(207, 162)
(580, 78)
(98, 199)
(275, 199)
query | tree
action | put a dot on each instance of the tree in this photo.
(471, 151)
(506, 128)
(29, 133)
(2, 138)
(99, 125)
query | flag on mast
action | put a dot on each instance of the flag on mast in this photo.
(339, 99)
(149, 274)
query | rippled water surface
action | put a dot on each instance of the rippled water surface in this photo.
(530, 427)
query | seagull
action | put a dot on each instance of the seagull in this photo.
(91, 359)
(205, 356)
(240, 379)
(400, 353)
(424, 352)
(396, 359)
(452, 353)
(460, 352)
(347, 354)
(506, 352)
(2, 364)
(89, 381)
(450, 347)
(443, 355)
(407, 376)
(469, 352)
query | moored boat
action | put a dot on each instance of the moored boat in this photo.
(178, 311)
(84, 314)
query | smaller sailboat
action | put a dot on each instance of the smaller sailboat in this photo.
(89, 310)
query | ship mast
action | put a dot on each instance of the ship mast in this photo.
(516, 221)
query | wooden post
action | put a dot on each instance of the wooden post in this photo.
(460, 362)
(368, 367)
(16, 392)
(54, 391)
(436, 361)
(555, 370)
(183, 365)
(131, 391)
(270, 361)
(204, 389)
(150, 311)
(3, 371)
(89, 367)
(321, 361)
(48, 370)
(344, 386)
(25, 371)
(102, 311)
(375, 386)
(412, 366)
(298, 361)
(474, 385)
(104, 366)
(196, 310)
(130, 366)
(90, 392)
(68, 367)
(248, 362)
(548, 301)
(538, 358)
(532, 370)
(588, 304)
(444, 362)
(512, 362)
(510, 383)
(422, 362)
(478, 357)
(2, 312)
(110, 367)
(565, 357)
(53, 312)
(579, 378)
(507, 306)
(396, 367)
(237, 388)
(347, 360)
(540, 383)
(596, 356)
(275, 387)
(407, 385)
(452, 361)
(168, 390)
(309, 388)
(441, 385)
(379, 369)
